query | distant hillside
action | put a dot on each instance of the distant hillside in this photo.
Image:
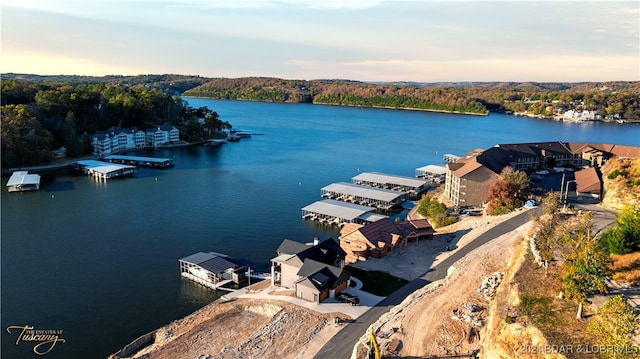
(614, 100)
(171, 84)
(610, 100)
(340, 92)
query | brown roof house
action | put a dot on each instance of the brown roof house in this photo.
(469, 178)
(588, 183)
(379, 238)
(315, 271)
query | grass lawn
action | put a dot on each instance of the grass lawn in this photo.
(376, 282)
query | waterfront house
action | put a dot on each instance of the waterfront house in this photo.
(315, 271)
(379, 238)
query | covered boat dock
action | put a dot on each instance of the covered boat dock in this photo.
(104, 170)
(433, 173)
(213, 270)
(364, 195)
(140, 161)
(336, 212)
(412, 186)
(23, 181)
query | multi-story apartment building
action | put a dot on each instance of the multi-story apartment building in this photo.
(161, 135)
(468, 179)
(113, 141)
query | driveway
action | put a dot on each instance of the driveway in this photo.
(341, 345)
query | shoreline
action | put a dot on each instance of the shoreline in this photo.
(343, 105)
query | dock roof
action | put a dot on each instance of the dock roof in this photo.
(378, 177)
(102, 167)
(357, 190)
(344, 210)
(212, 261)
(440, 170)
(22, 178)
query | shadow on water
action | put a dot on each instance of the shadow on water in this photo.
(194, 293)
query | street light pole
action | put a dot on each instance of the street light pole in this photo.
(566, 193)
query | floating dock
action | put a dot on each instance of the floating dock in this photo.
(140, 161)
(339, 213)
(412, 186)
(213, 270)
(433, 173)
(104, 170)
(364, 195)
(21, 181)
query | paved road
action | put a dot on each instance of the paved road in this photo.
(341, 345)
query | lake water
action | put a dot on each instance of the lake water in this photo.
(99, 260)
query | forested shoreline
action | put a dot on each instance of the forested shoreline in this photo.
(609, 100)
(43, 113)
(38, 118)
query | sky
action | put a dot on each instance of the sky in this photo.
(365, 40)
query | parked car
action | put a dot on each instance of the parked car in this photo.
(348, 298)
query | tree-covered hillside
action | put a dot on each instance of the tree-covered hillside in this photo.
(172, 84)
(38, 118)
(609, 100)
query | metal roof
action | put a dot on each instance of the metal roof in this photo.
(378, 177)
(109, 168)
(23, 177)
(344, 210)
(372, 217)
(211, 261)
(93, 163)
(380, 194)
(102, 167)
(218, 265)
(440, 170)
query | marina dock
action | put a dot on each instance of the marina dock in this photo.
(140, 161)
(213, 270)
(433, 173)
(335, 212)
(413, 186)
(379, 198)
(21, 181)
(104, 170)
